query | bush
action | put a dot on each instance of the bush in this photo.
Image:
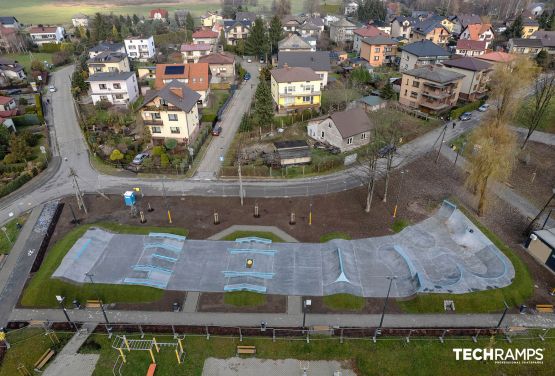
(60, 58)
(208, 118)
(466, 108)
(26, 120)
(170, 143)
(164, 160)
(50, 47)
(14, 184)
(157, 151)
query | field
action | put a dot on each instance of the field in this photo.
(13, 232)
(25, 59)
(391, 356)
(60, 12)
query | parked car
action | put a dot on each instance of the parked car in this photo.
(52, 89)
(466, 116)
(247, 76)
(262, 61)
(483, 108)
(249, 60)
(139, 158)
(217, 130)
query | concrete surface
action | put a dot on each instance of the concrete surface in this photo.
(268, 367)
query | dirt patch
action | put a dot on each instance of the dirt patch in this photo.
(163, 304)
(214, 302)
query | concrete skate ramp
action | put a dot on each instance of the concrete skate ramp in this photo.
(445, 253)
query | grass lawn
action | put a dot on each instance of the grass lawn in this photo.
(344, 302)
(482, 301)
(13, 233)
(410, 127)
(41, 290)
(25, 59)
(387, 357)
(244, 298)
(27, 346)
(259, 234)
(334, 235)
(548, 122)
(399, 225)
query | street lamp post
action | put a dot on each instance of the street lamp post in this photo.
(399, 193)
(108, 327)
(6, 233)
(379, 329)
(503, 315)
(530, 227)
(60, 300)
(306, 307)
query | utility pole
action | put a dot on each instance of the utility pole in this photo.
(166, 199)
(379, 329)
(240, 181)
(441, 143)
(108, 327)
(78, 194)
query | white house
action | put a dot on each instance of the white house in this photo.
(11, 70)
(80, 19)
(7, 104)
(192, 52)
(47, 34)
(114, 87)
(140, 48)
(351, 8)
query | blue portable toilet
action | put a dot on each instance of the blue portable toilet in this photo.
(129, 198)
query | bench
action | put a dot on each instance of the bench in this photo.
(151, 369)
(250, 350)
(93, 303)
(544, 308)
(44, 359)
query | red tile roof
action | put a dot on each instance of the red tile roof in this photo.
(498, 57)
(205, 33)
(468, 44)
(475, 30)
(370, 31)
(163, 12)
(5, 100)
(217, 58)
(195, 74)
(195, 47)
(43, 29)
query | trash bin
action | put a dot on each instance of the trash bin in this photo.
(129, 198)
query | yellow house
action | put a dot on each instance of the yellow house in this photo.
(108, 61)
(295, 88)
(209, 19)
(529, 27)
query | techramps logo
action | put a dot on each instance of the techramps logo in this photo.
(501, 356)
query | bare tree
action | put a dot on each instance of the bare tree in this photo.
(390, 136)
(311, 6)
(281, 8)
(538, 111)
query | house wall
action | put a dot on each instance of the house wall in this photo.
(182, 129)
(469, 52)
(146, 73)
(80, 22)
(222, 70)
(211, 41)
(326, 131)
(235, 33)
(439, 36)
(411, 95)
(140, 49)
(523, 50)
(296, 98)
(376, 54)
(43, 38)
(127, 93)
(11, 105)
(210, 20)
(539, 250)
(486, 35)
(527, 31)
(121, 66)
(398, 30)
(471, 83)
(409, 61)
(193, 56)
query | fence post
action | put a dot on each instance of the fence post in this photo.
(408, 337)
(142, 333)
(273, 335)
(475, 337)
(341, 336)
(240, 335)
(443, 335)
(307, 337)
(174, 333)
(207, 333)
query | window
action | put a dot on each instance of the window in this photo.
(413, 94)
(377, 49)
(119, 96)
(322, 134)
(117, 86)
(350, 141)
(376, 58)
(172, 117)
(156, 115)
(102, 86)
(174, 130)
(415, 84)
(307, 99)
(156, 130)
(363, 136)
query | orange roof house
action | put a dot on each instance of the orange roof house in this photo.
(497, 57)
(194, 75)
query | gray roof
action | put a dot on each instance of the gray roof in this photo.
(9, 64)
(294, 74)
(371, 100)
(318, 21)
(526, 42)
(185, 103)
(468, 63)
(317, 60)
(110, 76)
(107, 57)
(294, 42)
(8, 20)
(379, 40)
(547, 235)
(425, 48)
(468, 19)
(529, 22)
(547, 37)
(435, 73)
(107, 46)
(351, 122)
(251, 16)
(426, 26)
(343, 23)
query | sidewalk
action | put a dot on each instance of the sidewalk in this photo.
(537, 136)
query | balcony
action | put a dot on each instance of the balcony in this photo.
(153, 122)
(162, 108)
(437, 84)
(436, 106)
(301, 94)
(438, 95)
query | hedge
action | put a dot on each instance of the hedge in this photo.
(38, 104)
(13, 167)
(456, 113)
(26, 120)
(208, 118)
(14, 184)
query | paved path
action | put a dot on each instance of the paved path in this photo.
(269, 367)
(285, 320)
(537, 136)
(294, 305)
(191, 301)
(273, 229)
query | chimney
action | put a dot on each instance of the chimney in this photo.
(177, 91)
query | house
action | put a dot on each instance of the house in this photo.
(236, 30)
(171, 112)
(371, 103)
(478, 32)
(192, 52)
(209, 19)
(318, 61)
(430, 89)
(295, 43)
(293, 152)
(342, 31)
(461, 21)
(346, 130)
(193, 75)
(11, 70)
(106, 46)
(541, 246)
(205, 36)
(476, 76)
(147, 73)
(221, 64)
(245, 16)
(547, 38)
(497, 57)
(140, 48)
(10, 22)
(114, 87)
(529, 27)
(7, 104)
(159, 14)
(524, 46)
(421, 53)
(108, 62)
(80, 20)
(378, 50)
(430, 29)
(384, 27)
(47, 34)
(295, 88)
(402, 27)
(351, 8)
(467, 47)
(308, 29)
(330, 18)
(536, 9)
(365, 32)
(7, 123)
(291, 24)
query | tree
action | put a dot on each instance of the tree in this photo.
(540, 107)
(116, 156)
(311, 6)
(371, 170)
(189, 22)
(177, 20)
(281, 8)
(264, 104)
(170, 143)
(390, 136)
(515, 29)
(240, 47)
(360, 77)
(387, 91)
(60, 58)
(546, 20)
(543, 59)
(78, 83)
(257, 41)
(19, 150)
(275, 33)
(223, 40)
(371, 10)
(82, 32)
(115, 34)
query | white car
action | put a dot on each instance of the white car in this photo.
(52, 89)
(483, 108)
(249, 60)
